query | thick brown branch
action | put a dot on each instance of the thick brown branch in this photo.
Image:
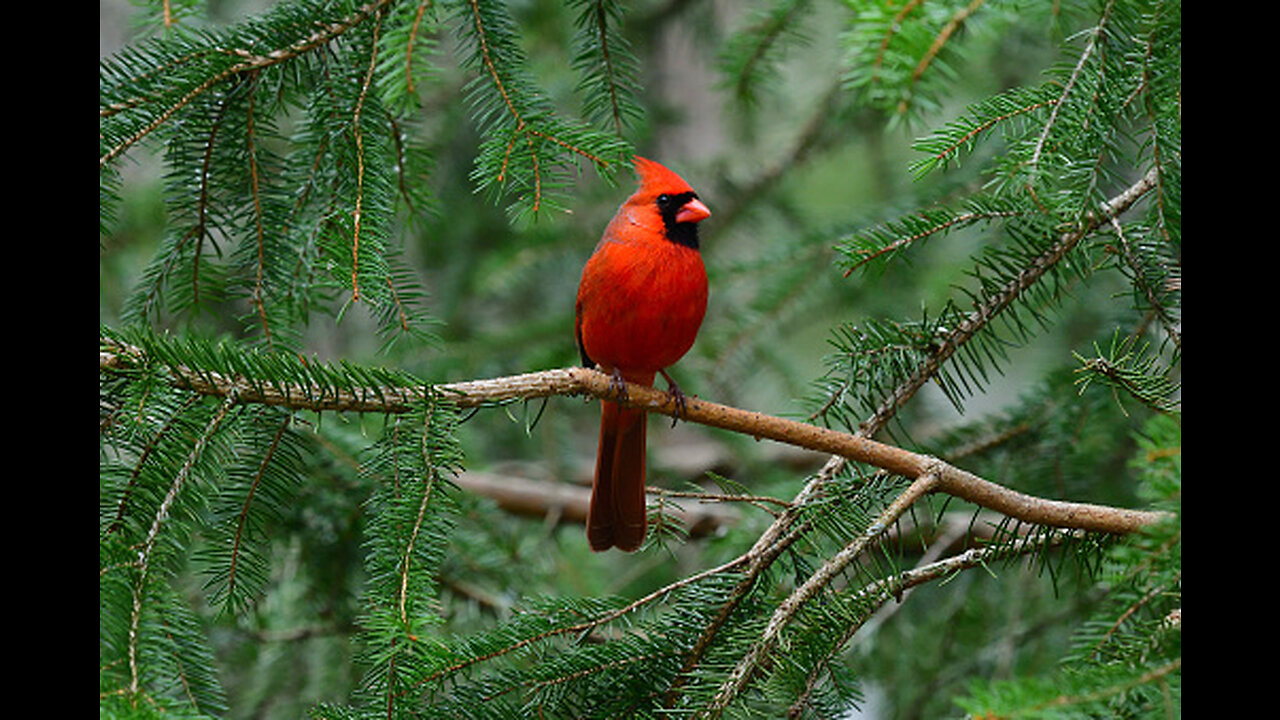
(582, 381)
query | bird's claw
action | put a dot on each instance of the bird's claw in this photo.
(677, 398)
(618, 385)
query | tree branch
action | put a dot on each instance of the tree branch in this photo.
(582, 381)
(931, 475)
(996, 303)
(250, 62)
(787, 610)
(567, 502)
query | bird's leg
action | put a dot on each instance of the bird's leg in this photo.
(677, 397)
(618, 385)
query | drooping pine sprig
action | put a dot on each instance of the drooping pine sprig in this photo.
(279, 233)
(1126, 657)
(530, 152)
(607, 68)
(412, 513)
(903, 56)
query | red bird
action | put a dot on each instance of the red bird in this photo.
(640, 304)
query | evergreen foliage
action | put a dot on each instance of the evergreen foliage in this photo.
(365, 200)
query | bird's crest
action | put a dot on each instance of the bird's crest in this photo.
(655, 177)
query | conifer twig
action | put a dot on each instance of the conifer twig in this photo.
(995, 303)
(944, 35)
(357, 215)
(787, 610)
(587, 625)
(874, 594)
(780, 534)
(251, 62)
(161, 518)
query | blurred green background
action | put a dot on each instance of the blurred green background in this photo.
(786, 174)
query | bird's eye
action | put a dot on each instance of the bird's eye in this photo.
(663, 199)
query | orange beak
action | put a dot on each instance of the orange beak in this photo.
(693, 211)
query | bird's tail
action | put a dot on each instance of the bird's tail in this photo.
(616, 516)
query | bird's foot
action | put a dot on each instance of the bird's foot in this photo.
(677, 398)
(618, 385)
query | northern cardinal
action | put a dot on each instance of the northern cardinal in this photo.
(640, 303)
